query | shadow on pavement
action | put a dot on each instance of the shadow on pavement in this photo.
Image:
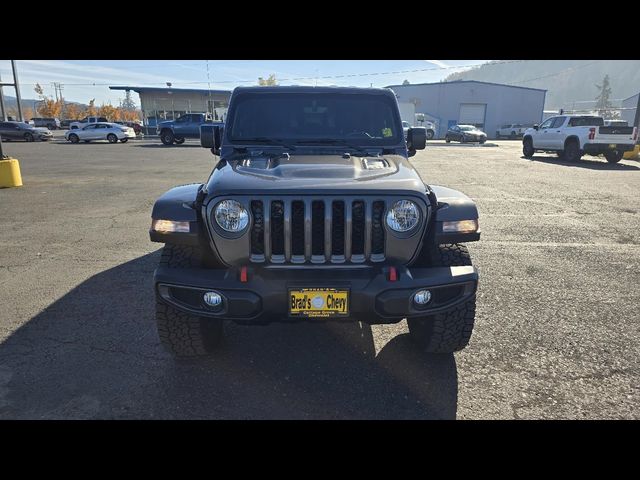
(94, 353)
(161, 145)
(593, 164)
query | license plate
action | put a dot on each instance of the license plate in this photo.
(612, 146)
(318, 302)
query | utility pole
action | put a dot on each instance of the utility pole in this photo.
(17, 87)
(3, 108)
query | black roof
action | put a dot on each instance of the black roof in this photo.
(304, 88)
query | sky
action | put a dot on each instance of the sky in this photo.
(83, 80)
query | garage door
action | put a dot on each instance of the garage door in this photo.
(472, 114)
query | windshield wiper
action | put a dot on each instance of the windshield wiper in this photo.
(333, 141)
(269, 141)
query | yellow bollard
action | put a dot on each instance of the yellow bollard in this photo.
(10, 173)
(633, 154)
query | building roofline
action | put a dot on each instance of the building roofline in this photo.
(629, 98)
(167, 89)
(468, 81)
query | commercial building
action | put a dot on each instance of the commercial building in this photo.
(485, 105)
(158, 104)
(629, 106)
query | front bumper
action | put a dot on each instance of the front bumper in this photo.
(263, 298)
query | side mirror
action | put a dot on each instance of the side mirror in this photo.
(211, 137)
(417, 138)
(536, 126)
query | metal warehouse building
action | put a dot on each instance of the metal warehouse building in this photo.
(629, 108)
(158, 104)
(485, 105)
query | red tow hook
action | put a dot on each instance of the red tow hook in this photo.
(393, 274)
(243, 274)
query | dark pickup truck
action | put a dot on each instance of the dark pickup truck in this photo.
(313, 212)
(185, 126)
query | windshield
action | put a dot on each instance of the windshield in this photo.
(307, 117)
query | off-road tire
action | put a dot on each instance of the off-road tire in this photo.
(166, 137)
(571, 151)
(73, 138)
(180, 333)
(527, 148)
(28, 137)
(450, 331)
(614, 156)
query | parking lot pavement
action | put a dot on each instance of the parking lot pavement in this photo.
(556, 330)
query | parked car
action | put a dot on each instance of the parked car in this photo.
(86, 121)
(465, 133)
(23, 131)
(135, 125)
(112, 132)
(50, 123)
(313, 213)
(186, 126)
(429, 126)
(572, 136)
(511, 130)
(66, 123)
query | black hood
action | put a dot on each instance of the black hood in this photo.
(303, 173)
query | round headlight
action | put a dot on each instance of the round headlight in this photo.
(231, 216)
(403, 216)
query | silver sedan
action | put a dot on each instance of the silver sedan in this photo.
(112, 132)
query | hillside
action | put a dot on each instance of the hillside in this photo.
(569, 82)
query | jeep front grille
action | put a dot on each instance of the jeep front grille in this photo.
(317, 230)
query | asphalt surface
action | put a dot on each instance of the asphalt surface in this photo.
(557, 324)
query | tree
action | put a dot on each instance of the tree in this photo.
(108, 111)
(603, 104)
(48, 107)
(127, 103)
(74, 111)
(406, 82)
(91, 109)
(269, 81)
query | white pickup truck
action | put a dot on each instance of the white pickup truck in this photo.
(86, 121)
(571, 136)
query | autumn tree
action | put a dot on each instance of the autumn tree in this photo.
(91, 109)
(48, 107)
(108, 111)
(269, 81)
(74, 111)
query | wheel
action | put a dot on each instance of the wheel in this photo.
(527, 147)
(73, 138)
(451, 331)
(51, 126)
(614, 156)
(166, 137)
(112, 138)
(497, 135)
(447, 139)
(572, 151)
(124, 140)
(182, 334)
(513, 134)
(28, 137)
(483, 140)
(430, 134)
(179, 141)
(462, 139)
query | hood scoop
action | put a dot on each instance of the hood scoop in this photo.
(315, 166)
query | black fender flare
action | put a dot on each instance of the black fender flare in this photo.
(453, 206)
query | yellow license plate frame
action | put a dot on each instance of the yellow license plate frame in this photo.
(319, 302)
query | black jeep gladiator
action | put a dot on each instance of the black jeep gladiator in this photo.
(313, 213)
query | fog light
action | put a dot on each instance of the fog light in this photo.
(422, 297)
(213, 299)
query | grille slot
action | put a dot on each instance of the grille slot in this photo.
(337, 229)
(277, 228)
(377, 229)
(257, 231)
(317, 230)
